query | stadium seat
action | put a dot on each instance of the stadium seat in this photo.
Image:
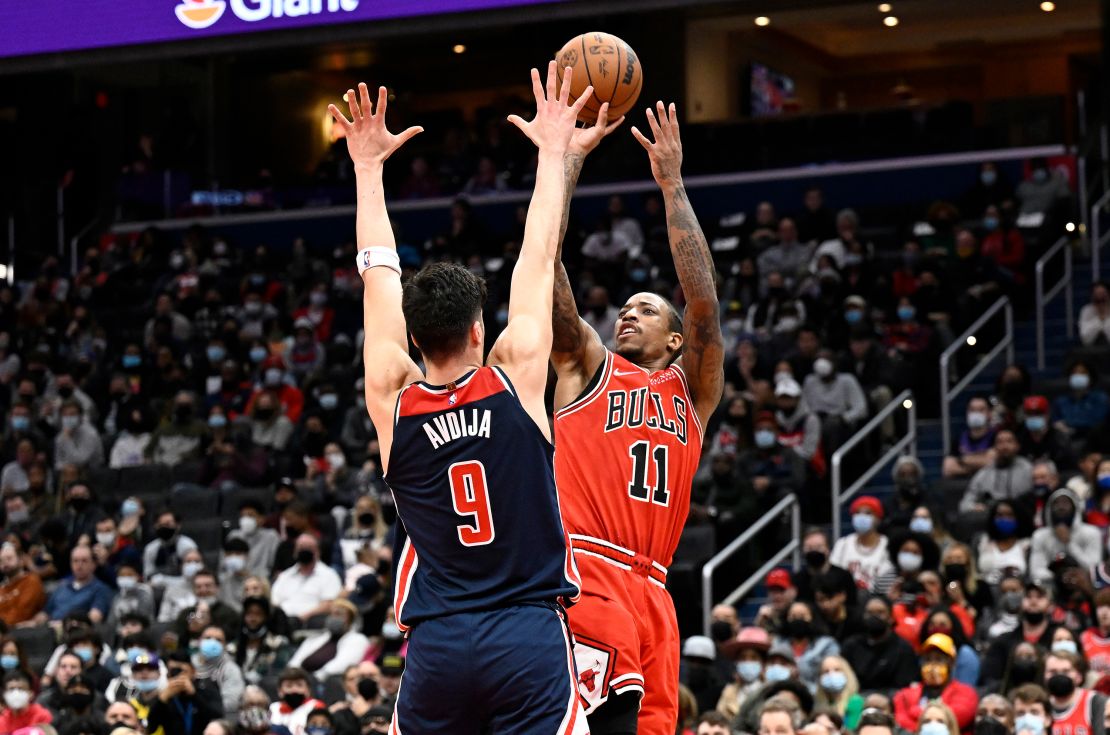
(195, 501)
(207, 532)
(229, 505)
(149, 480)
(36, 643)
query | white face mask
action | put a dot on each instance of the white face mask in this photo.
(69, 423)
(190, 568)
(17, 698)
(976, 419)
(823, 367)
(247, 524)
(337, 461)
(106, 539)
(390, 631)
(126, 583)
(234, 564)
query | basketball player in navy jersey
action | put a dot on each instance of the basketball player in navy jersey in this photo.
(467, 453)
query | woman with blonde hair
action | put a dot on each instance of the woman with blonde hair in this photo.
(937, 719)
(838, 690)
(961, 581)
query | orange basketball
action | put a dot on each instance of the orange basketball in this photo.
(608, 63)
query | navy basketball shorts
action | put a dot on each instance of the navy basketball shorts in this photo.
(508, 671)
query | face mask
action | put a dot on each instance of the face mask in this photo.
(934, 728)
(335, 626)
(909, 561)
(255, 633)
(906, 313)
(273, 377)
(211, 648)
(106, 539)
(78, 700)
(955, 572)
(318, 298)
(862, 522)
(19, 516)
(1029, 722)
(875, 626)
(317, 731)
(84, 653)
(329, 401)
(1011, 602)
(776, 672)
(765, 438)
(247, 524)
(853, 316)
(17, 698)
(235, 564)
(1079, 381)
(367, 689)
(988, 177)
(1040, 175)
(129, 508)
(934, 674)
(720, 631)
(253, 308)
(20, 423)
(1060, 685)
(217, 421)
(976, 419)
(69, 423)
(1033, 618)
(788, 324)
(990, 224)
(1023, 671)
(293, 699)
(1036, 423)
(834, 681)
(816, 559)
(1006, 527)
(254, 719)
(336, 461)
(165, 532)
(9, 662)
(797, 629)
(146, 686)
(190, 568)
(79, 504)
(921, 525)
(258, 354)
(749, 671)
(1062, 519)
(390, 631)
(183, 412)
(305, 557)
(65, 391)
(216, 353)
(1064, 646)
(263, 414)
(823, 367)
(131, 361)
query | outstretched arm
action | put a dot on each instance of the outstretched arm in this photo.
(702, 345)
(525, 346)
(576, 349)
(385, 344)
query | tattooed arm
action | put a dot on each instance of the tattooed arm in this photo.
(576, 351)
(702, 344)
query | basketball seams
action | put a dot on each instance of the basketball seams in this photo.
(635, 88)
(620, 66)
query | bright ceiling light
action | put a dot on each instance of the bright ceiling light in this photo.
(762, 21)
(890, 21)
(459, 48)
(884, 7)
(1047, 6)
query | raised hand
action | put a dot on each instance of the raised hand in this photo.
(368, 140)
(584, 140)
(552, 127)
(665, 153)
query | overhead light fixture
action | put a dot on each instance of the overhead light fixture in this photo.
(459, 48)
(1048, 6)
(885, 7)
(762, 21)
(890, 21)
(1070, 227)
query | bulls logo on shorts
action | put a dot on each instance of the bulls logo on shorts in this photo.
(595, 669)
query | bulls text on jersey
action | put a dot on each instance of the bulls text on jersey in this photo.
(643, 407)
(457, 424)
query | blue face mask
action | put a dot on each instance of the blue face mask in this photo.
(146, 685)
(85, 654)
(934, 728)
(217, 421)
(129, 508)
(258, 354)
(1036, 423)
(134, 652)
(317, 731)
(1079, 381)
(216, 353)
(990, 224)
(906, 313)
(853, 316)
(1104, 482)
(1065, 646)
(329, 401)
(132, 361)
(921, 525)
(21, 423)
(834, 681)
(862, 522)
(749, 671)
(211, 648)
(988, 177)
(1006, 526)
(776, 672)
(1029, 722)
(765, 438)
(9, 662)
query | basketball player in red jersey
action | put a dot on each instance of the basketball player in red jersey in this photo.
(628, 430)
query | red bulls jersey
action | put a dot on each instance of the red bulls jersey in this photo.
(1076, 719)
(626, 453)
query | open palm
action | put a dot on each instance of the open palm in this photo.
(553, 125)
(368, 140)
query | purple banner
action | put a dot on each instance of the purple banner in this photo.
(48, 26)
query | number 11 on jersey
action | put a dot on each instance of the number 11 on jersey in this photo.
(641, 453)
(470, 497)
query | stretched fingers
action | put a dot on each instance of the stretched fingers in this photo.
(672, 114)
(537, 88)
(664, 121)
(579, 103)
(602, 116)
(339, 117)
(404, 136)
(653, 124)
(383, 102)
(551, 80)
(640, 137)
(352, 104)
(614, 125)
(564, 93)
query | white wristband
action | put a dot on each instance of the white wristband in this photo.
(378, 257)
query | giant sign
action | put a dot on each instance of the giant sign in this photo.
(48, 26)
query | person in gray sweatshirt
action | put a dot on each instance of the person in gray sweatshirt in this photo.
(1064, 532)
(1008, 477)
(836, 398)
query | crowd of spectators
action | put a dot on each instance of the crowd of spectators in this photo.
(197, 538)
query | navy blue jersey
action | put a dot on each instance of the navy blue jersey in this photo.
(474, 482)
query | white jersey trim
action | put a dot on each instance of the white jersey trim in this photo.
(576, 405)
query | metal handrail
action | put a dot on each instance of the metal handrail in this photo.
(907, 442)
(1097, 239)
(76, 240)
(1043, 298)
(948, 392)
(794, 545)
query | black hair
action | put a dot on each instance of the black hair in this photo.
(1021, 515)
(136, 617)
(321, 712)
(440, 304)
(875, 718)
(16, 675)
(237, 545)
(252, 503)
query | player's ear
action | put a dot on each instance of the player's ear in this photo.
(415, 343)
(674, 343)
(478, 333)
